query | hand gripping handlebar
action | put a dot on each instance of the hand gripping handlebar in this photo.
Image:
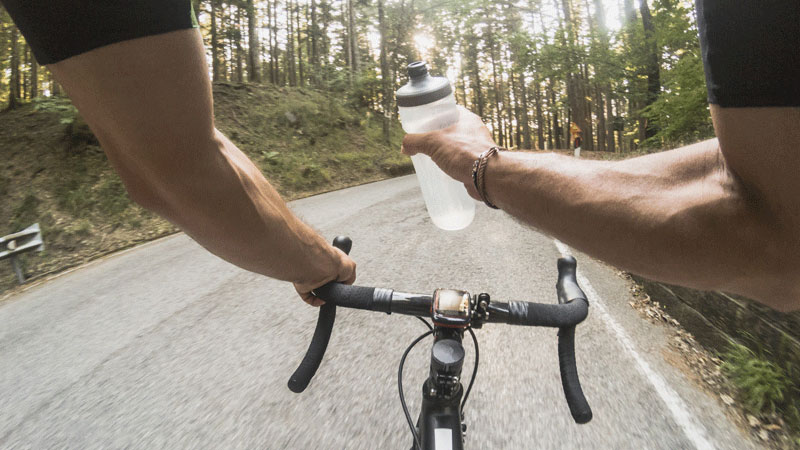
(572, 308)
(322, 334)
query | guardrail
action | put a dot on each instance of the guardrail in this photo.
(15, 244)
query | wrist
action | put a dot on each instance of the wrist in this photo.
(479, 174)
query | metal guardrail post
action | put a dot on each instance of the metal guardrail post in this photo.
(13, 245)
(17, 270)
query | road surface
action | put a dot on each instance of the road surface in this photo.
(167, 346)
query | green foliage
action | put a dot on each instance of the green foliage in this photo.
(681, 111)
(111, 197)
(485, 46)
(77, 202)
(88, 187)
(61, 106)
(26, 213)
(763, 386)
(78, 228)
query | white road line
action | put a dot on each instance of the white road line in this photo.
(691, 427)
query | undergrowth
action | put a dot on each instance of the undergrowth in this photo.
(763, 386)
(54, 172)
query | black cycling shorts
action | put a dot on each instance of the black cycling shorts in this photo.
(751, 51)
(59, 29)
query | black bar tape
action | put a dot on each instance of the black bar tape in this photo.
(576, 401)
(347, 296)
(547, 315)
(319, 343)
(299, 380)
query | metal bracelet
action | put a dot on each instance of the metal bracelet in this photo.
(479, 171)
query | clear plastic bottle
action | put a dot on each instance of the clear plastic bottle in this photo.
(427, 103)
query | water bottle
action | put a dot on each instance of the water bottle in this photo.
(427, 103)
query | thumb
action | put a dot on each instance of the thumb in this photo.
(414, 143)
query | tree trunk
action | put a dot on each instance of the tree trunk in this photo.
(510, 111)
(225, 42)
(346, 41)
(526, 121)
(630, 13)
(610, 122)
(462, 84)
(275, 48)
(567, 115)
(586, 101)
(577, 111)
(604, 83)
(539, 116)
(353, 37)
(386, 94)
(497, 88)
(299, 44)
(215, 69)
(554, 110)
(324, 38)
(652, 68)
(55, 88)
(253, 64)
(290, 61)
(474, 70)
(601, 119)
(270, 27)
(239, 50)
(34, 78)
(315, 38)
(13, 85)
(25, 92)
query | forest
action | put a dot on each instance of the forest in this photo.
(628, 74)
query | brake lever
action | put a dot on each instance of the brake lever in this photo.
(301, 377)
(569, 291)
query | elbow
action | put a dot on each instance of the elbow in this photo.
(141, 195)
(778, 282)
(782, 291)
(162, 177)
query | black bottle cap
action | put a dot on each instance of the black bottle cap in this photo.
(417, 69)
(422, 88)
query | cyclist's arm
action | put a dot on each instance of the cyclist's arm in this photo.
(149, 103)
(712, 215)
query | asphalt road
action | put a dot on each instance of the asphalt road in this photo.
(167, 346)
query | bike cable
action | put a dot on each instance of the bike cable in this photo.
(474, 371)
(400, 387)
(430, 327)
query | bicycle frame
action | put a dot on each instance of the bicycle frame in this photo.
(440, 424)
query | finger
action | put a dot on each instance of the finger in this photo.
(315, 301)
(308, 297)
(349, 279)
(311, 299)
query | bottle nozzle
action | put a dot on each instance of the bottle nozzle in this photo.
(417, 69)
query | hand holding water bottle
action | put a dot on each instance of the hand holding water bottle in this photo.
(427, 104)
(454, 149)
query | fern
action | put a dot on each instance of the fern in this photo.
(763, 386)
